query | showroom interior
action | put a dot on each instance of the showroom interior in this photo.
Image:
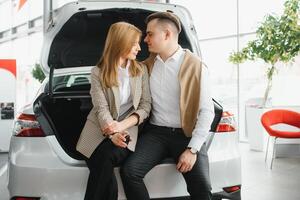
(247, 85)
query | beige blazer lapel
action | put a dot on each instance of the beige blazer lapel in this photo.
(116, 93)
(132, 81)
(136, 90)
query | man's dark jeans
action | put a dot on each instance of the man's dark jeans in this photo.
(155, 144)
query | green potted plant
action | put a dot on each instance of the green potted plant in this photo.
(37, 73)
(277, 40)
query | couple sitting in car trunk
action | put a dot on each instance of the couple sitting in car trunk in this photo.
(182, 111)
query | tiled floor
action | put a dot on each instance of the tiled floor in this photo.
(258, 181)
(262, 183)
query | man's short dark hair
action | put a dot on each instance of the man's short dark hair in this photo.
(165, 16)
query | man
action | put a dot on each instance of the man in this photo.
(181, 116)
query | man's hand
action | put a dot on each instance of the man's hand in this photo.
(113, 127)
(119, 139)
(186, 161)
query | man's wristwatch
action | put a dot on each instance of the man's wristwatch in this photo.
(193, 150)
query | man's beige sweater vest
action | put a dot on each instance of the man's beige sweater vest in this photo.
(189, 80)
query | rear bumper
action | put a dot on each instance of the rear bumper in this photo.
(37, 170)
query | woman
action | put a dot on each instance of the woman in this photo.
(121, 101)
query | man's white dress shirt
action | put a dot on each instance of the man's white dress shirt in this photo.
(165, 92)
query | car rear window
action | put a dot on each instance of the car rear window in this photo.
(73, 82)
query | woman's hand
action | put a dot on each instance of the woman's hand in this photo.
(113, 127)
(119, 139)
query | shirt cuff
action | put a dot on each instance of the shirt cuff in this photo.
(196, 143)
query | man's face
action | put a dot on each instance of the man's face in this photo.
(155, 38)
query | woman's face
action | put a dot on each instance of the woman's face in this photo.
(134, 50)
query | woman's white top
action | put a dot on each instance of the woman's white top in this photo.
(124, 89)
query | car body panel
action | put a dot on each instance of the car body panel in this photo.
(36, 162)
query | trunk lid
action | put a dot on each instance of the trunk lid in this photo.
(76, 34)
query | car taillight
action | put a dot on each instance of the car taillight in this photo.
(26, 125)
(232, 189)
(227, 123)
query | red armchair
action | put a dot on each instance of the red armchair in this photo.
(280, 116)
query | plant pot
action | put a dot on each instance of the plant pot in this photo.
(257, 136)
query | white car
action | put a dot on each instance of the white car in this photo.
(43, 161)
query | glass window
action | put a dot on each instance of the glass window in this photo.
(223, 74)
(36, 8)
(35, 46)
(253, 12)
(6, 50)
(20, 50)
(71, 82)
(5, 15)
(20, 15)
(212, 18)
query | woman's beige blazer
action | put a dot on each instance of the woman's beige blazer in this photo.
(106, 106)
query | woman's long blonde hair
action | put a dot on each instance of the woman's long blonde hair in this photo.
(119, 42)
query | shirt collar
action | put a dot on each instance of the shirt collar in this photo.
(175, 57)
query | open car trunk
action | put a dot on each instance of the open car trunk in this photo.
(64, 117)
(62, 110)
